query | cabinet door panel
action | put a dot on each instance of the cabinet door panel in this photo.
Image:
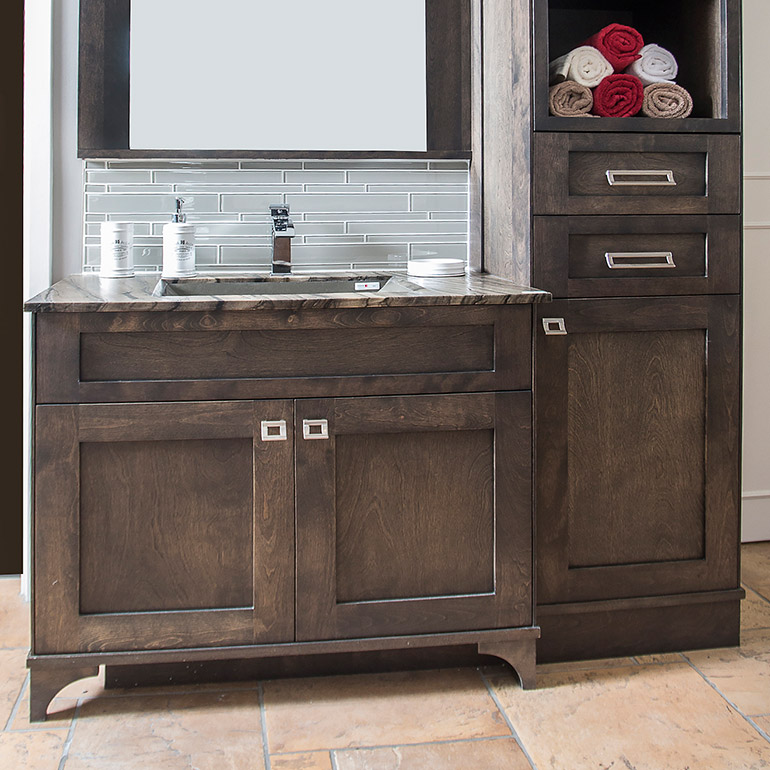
(638, 448)
(414, 515)
(162, 525)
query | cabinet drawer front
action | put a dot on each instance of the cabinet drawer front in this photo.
(198, 356)
(636, 174)
(637, 256)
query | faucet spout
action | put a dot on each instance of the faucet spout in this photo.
(283, 232)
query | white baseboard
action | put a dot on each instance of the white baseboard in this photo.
(756, 516)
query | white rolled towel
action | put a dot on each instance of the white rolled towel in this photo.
(585, 65)
(657, 65)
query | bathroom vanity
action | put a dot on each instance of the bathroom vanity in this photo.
(457, 468)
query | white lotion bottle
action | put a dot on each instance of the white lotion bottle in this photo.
(178, 246)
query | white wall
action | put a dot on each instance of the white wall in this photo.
(756, 371)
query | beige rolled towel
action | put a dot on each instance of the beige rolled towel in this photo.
(585, 65)
(570, 100)
(666, 100)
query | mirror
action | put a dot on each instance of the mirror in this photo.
(260, 79)
(256, 75)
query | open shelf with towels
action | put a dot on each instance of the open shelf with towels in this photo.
(703, 35)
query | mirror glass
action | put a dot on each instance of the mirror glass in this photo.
(259, 74)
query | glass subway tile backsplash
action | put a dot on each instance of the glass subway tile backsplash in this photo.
(348, 214)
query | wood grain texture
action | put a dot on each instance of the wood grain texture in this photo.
(165, 525)
(271, 354)
(284, 353)
(707, 170)
(636, 451)
(704, 34)
(569, 255)
(677, 563)
(330, 507)
(403, 504)
(195, 498)
(635, 629)
(506, 138)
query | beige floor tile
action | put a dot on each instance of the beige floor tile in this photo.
(502, 754)
(206, 732)
(379, 709)
(641, 717)
(741, 673)
(584, 665)
(755, 567)
(755, 611)
(14, 615)
(32, 751)
(667, 657)
(13, 672)
(60, 713)
(763, 723)
(311, 760)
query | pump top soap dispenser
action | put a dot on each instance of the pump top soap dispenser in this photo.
(178, 246)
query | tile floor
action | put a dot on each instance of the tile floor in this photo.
(705, 710)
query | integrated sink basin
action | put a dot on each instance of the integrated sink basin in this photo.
(270, 285)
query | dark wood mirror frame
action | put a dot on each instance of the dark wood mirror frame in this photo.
(104, 94)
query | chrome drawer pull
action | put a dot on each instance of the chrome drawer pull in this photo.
(314, 429)
(553, 326)
(613, 262)
(669, 180)
(273, 430)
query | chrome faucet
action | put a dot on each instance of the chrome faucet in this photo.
(283, 232)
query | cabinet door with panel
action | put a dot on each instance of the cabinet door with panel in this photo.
(413, 514)
(638, 440)
(163, 526)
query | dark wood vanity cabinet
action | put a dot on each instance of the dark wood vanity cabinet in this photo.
(636, 231)
(244, 527)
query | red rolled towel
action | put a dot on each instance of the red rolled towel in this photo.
(618, 96)
(619, 44)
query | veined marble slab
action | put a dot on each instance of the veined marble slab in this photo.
(88, 292)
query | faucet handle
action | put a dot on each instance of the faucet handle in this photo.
(279, 211)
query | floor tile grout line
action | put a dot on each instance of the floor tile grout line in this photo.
(263, 723)
(17, 703)
(333, 759)
(757, 593)
(70, 736)
(378, 746)
(726, 699)
(505, 716)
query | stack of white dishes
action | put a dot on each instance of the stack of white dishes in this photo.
(435, 267)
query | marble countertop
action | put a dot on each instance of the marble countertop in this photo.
(88, 292)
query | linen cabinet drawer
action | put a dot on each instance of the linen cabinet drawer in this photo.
(636, 174)
(181, 356)
(637, 256)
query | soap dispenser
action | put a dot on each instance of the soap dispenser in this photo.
(178, 246)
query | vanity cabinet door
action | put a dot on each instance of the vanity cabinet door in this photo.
(638, 447)
(163, 526)
(413, 514)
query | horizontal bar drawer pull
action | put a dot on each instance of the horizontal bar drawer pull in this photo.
(554, 326)
(273, 430)
(315, 429)
(640, 178)
(639, 260)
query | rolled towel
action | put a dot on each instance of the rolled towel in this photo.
(619, 44)
(657, 65)
(666, 100)
(584, 65)
(618, 96)
(570, 100)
